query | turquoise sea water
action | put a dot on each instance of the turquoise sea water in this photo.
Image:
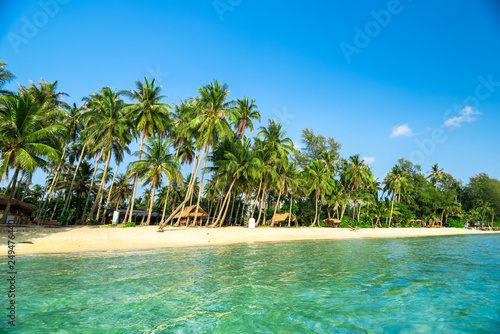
(410, 285)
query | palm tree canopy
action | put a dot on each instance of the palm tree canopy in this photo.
(25, 140)
(242, 115)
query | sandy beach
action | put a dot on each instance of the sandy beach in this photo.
(43, 240)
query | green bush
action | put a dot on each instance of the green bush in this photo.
(454, 223)
(130, 224)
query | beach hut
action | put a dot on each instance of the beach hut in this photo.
(15, 206)
(190, 212)
(282, 217)
(416, 221)
(333, 222)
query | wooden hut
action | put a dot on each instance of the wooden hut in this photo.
(15, 206)
(190, 212)
(333, 222)
(282, 217)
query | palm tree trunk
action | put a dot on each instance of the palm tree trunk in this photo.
(152, 201)
(165, 204)
(109, 194)
(392, 209)
(261, 204)
(256, 197)
(55, 206)
(290, 211)
(90, 189)
(68, 200)
(316, 214)
(136, 176)
(101, 188)
(190, 189)
(6, 212)
(237, 211)
(276, 208)
(52, 186)
(224, 205)
(201, 187)
(232, 210)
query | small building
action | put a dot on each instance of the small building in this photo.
(332, 222)
(282, 217)
(190, 212)
(16, 207)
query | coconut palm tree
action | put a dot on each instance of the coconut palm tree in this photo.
(212, 124)
(149, 117)
(240, 163)
(436, 174)
(395, 183)
(243, 114)
(24, 138)
(109, 130)
(157, 161)
(5, 76)
(320, 180)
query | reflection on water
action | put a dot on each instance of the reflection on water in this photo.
(407, 285)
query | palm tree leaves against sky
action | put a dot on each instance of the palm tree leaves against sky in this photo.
(5, 76)
(436, 174)
(242, 115)
(24, 138)
(148, 115)
(157, 161)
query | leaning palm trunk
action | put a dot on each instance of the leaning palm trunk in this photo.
(392, 209)
(52, 186)
(90, 189)
(68, 200)
(136, 176)
(290, 211)
(316, 214)
(199, 193)
(276, 208)
(55, 206)
(6, 212)
(165, 204)
(153, 186)
(225, 205)
(189, 195)
(256, 198)
(261, 204)
(190, 189)
(109, 194)
(98, 199)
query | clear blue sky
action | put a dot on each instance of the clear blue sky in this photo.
(413, 84)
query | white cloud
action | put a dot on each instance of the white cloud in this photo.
(369, 160)
(465, 117)
(402, 130)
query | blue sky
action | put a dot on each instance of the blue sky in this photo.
(387, 79)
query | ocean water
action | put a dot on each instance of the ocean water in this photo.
(405, 285)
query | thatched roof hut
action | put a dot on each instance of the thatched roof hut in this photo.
(16, 205)
(282, 217)
(190, 211)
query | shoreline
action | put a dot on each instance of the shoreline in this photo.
(85, 239)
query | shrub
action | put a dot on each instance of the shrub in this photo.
(130, 224)
(454, 223)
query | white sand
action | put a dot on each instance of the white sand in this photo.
(53, 240)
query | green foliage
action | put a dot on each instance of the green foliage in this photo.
(454, 223)
(130, 224)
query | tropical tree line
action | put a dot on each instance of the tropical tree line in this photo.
(207, 137)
